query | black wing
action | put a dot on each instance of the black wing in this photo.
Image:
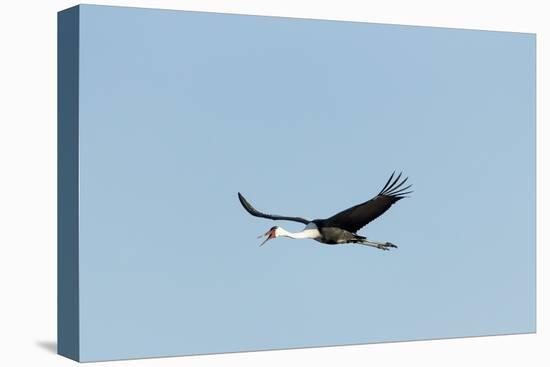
(356, 217)
(249, 208)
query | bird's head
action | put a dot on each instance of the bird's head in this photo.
(272, 233)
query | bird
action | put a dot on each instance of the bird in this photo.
(342, 227)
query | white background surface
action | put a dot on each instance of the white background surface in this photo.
(28, 183)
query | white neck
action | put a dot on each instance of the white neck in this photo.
(310, 231)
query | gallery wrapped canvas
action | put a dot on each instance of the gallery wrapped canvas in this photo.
(182, 136)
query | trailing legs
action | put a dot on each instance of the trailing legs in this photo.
(379, 245)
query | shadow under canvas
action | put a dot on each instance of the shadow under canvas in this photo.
(48, 345)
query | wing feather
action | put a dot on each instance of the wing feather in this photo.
(358, 216)
(250, 209)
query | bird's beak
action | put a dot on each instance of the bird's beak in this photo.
(269, 235)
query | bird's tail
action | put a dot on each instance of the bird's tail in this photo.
(358, 239)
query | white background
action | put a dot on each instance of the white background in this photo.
(28, 183)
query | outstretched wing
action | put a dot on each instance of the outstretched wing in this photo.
(356, 217)
(249, 208)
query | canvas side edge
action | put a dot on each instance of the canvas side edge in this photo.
(68, 330)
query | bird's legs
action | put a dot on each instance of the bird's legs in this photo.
(379, 245)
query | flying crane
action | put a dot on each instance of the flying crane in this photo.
(342, 227)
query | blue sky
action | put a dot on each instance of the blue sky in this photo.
(180, 110)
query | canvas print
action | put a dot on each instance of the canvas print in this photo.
(388, 170)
